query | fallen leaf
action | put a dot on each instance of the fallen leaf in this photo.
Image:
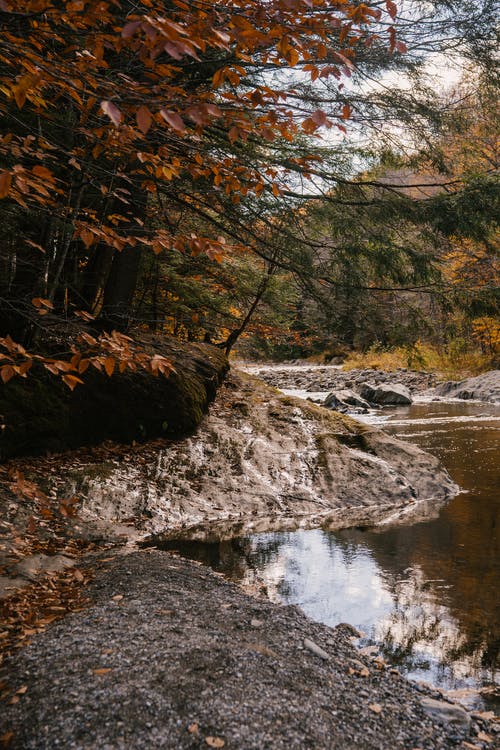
(375, 707)
(103, 670)
(118, 598)
(7, 738)
(107, 651)
(215, 741)
(22, 690)
(365, 672)
(193, 728)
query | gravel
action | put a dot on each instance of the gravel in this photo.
(170, 655)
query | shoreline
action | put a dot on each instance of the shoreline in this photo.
(192, 657)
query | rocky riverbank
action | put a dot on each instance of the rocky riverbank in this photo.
(331, 378)
(167, 654)
(264, 460)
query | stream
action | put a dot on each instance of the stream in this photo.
(424, 596)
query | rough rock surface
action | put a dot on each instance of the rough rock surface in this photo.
(485, 387)
(345, 398)
(386, 394)
(169, 655)
(264, 460)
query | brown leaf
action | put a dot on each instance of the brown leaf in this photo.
(375, 707)
(5, 183)
(22, 690)
(103, 670)
(193, 728)
(144, 119)
(6, 739)
(215, 741)
(174, 120)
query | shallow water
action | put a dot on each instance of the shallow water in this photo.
(427, 593)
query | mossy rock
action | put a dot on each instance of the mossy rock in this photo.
(40, 414)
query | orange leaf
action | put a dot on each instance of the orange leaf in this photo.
(71, 381)
(346, 112)
(109, 365)
(103, 670)
(6, 373)
(5, 183)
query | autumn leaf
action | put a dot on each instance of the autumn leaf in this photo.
(6, 373)
(375, 707)
(101, 671)
(109, 365)
(392, 9)
(174, 120)
(112, 111)
(71, 381)
(5, 183)
(346, 112)
(215, 741)
(144, 119)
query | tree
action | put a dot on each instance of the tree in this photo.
(124, 116)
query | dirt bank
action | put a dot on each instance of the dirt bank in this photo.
(169, 655)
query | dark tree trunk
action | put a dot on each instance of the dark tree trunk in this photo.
(119, 289)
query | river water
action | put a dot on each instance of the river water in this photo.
(426, 594)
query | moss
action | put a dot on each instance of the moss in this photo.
(40, 414)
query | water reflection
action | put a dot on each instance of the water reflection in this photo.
(428, 592)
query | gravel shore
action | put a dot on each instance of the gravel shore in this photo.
(167, 654)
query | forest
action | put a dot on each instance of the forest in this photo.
(285, 177)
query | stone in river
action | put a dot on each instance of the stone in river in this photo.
(387, 394)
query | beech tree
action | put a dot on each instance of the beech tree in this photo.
(112, 108)
(136, 129)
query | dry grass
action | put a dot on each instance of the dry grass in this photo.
(454, 362)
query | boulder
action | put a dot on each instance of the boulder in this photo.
(485, 387)
(446, 713)
(341, 400)
(386, 394)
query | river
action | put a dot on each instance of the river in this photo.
(425, 595)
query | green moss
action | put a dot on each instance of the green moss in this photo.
(40, 414)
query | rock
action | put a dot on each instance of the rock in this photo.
(386, 394)
(446, 713)
(317, 650)
(333, 402)
(41, 414)
(345, 397)
(485, 387)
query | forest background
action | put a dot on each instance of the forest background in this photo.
(283, 176)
